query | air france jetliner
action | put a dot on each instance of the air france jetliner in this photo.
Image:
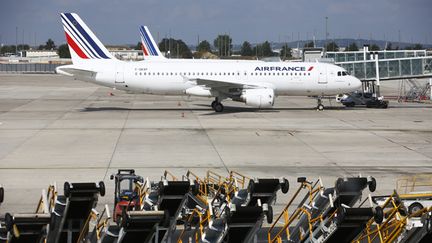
(255, 83)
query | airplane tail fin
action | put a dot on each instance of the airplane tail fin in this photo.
(149, 46)
(83, 43)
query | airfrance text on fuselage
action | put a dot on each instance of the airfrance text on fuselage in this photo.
(286, 69)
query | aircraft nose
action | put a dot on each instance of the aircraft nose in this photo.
(356, 83)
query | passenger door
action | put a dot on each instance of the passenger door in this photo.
(119, 76)
(322, 78)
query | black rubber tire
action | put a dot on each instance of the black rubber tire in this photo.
(67, 189)
(338, 184)
(269, 215)
(9, 222)
(340, 215)
(161, 187)
(102, 189)
(195, 187)
(213, 104)
(251, 186)
(372, 185)
(1, 194)
(352, 104)
(166, 219)
(285, 186)
(428, 224)
(378, 215)
(218, 107)
(320, 107)
(301, 179)
(414, 207)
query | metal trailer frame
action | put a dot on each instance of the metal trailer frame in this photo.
(33, 227)
(64, 219)
(323, 211)
(391, 228)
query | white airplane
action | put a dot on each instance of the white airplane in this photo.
(255, 83)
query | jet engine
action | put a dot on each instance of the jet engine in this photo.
(259, 98)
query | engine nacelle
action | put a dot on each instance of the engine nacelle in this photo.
(259, 98)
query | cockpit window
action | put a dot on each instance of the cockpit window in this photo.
(342, 73)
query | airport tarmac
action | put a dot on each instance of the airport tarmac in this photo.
(56, 129)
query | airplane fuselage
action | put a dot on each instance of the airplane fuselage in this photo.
(172, 77)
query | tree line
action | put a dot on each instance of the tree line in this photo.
(223, 47)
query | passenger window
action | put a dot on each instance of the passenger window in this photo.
(338, 73)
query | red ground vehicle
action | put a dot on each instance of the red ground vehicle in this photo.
(125, 197)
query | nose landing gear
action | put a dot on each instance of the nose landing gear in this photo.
(320, 106)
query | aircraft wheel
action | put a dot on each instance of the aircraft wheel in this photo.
(218, 107)
(320, 107)
(213, 104)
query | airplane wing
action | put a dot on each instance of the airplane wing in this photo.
(219, 84)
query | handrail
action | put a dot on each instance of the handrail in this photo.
(391, 227)
(85, 228)
(242, 179)
(47, 201)
(167, 173)
(313, 190)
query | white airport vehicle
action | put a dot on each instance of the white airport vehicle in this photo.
(254, 83)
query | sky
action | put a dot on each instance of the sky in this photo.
(117, 21)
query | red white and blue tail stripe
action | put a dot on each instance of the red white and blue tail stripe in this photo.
(148, 45)
(81, 40)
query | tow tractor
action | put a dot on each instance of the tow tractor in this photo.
(125, 197)
(363, 99)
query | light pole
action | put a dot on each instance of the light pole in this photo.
(326, 35)
(16, 41)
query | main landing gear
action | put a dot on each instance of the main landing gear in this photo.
(217, 106)
(320, 106)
